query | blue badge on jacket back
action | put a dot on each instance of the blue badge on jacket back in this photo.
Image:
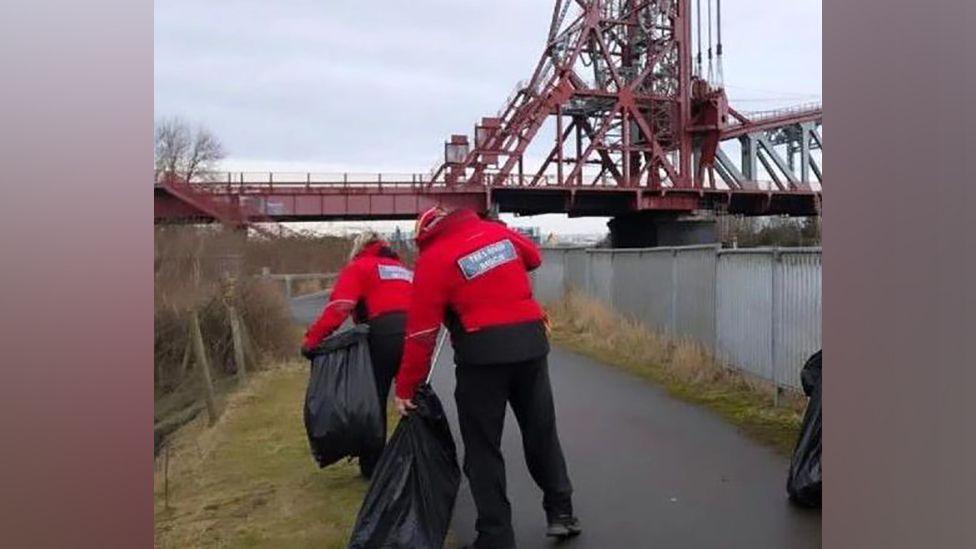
(485, 259)
(395, 272)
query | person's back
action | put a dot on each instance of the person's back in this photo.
(371, 286)
(374, 287)
(483, 267)
(473, 276)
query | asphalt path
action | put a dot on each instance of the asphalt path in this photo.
(648, 470)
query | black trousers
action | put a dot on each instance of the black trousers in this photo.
(385, 351)
(482, 393)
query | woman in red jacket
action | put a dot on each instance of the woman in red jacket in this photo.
(472, 275)
(375, 287)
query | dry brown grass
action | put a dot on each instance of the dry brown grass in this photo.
(265, 316)
(296, 253)
(191, 266)
(683, 367)
(250, 481)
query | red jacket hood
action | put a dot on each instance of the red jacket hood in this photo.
(451, 222)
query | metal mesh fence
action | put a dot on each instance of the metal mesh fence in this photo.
(757, 309)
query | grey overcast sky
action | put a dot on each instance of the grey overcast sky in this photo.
(344, 85)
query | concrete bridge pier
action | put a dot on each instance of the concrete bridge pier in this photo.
(651, 229)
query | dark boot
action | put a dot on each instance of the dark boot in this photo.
(563, 526)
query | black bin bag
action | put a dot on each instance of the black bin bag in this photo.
(805, 482)
(411, 498)
(342, 413)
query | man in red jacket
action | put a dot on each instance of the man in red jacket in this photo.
(375, 287)
(472, 275)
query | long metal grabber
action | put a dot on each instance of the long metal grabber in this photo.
(437, 353)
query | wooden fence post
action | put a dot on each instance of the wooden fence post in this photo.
(248, 345)
(186, 360)
(236, 336)
(204, 364)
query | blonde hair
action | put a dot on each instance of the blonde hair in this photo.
(362, 240)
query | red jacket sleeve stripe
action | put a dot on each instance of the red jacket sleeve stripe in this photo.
(427, 305)
(347, 292)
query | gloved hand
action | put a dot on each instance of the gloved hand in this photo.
(404, 406)
(308, 353)
(547, 323)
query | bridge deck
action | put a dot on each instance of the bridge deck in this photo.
(406, 199)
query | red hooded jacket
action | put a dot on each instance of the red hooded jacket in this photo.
(472, 275)
(373, 284)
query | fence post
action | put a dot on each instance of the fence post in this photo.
(610, 295)
(185, 362)
(672, 321)
(250, 351)
(774, 322)
(166, 476)
(235, 333)
(201, 355)
(567, 279)
(715, 301)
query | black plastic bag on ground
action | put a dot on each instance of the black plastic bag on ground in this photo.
(342, 414)
(805, 483)
(411, 498)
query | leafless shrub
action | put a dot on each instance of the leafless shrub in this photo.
(191, 268)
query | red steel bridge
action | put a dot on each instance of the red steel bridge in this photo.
(625, 113)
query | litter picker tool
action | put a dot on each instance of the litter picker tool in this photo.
(442, 335)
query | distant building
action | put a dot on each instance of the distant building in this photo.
(574, 240)
(532, 233)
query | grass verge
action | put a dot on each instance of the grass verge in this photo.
(250, 481)
(684, 369)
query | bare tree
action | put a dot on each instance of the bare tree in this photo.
(747, 232)
(189, 153)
